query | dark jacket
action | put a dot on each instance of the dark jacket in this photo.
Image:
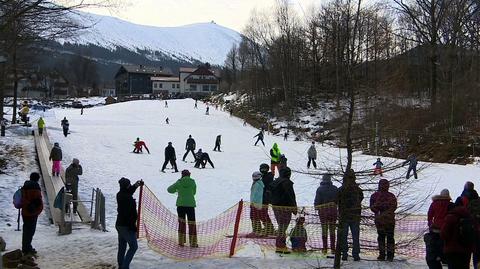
(450, 232)
(218, 140)
(438, 211)
(267, 180)
(127, 208)
(466, 196)
(65, 124)
(56, 154)
(260, 135)
(383, 203)
(170, 153)
(283, 193)
(190, 144)
(411, 161)
(72, 172)
(349, 201)
(32, 203)
(326, 193)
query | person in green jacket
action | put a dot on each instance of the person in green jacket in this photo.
(186, 189)
(275, 158)
(41, 126)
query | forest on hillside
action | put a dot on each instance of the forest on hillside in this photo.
(406, 72)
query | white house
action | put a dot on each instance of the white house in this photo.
(201, 80)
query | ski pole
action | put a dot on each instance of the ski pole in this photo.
(18, 221)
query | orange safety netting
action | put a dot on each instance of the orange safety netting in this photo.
(221, 237)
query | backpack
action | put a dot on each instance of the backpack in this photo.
(474, 208)
(466, 231)
(17, 199)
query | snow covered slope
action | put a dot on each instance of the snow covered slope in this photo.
(206, 42)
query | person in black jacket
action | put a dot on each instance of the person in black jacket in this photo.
(285, 204)
(259, 137)
(267, 179)
(32, 206)
(349, 200)
(126, 224)
(218, 141)
(201, 158)
(189, 147)
(171, 157)
(65, 126)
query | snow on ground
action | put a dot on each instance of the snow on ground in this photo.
(102, 139)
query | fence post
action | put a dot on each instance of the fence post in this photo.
(235, 229)
(139, 210)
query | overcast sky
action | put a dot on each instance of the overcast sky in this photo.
(230, 13)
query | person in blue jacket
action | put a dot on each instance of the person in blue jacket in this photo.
(412, 165)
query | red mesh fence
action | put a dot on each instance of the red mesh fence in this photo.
(159, 227)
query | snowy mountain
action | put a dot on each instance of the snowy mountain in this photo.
(204, 42)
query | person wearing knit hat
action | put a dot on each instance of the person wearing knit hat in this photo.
(186, 189)
(71, 179)
(126, 223)
(56, 158)
(325, 203)
(267, 179)
(437, 212)
(257, 210)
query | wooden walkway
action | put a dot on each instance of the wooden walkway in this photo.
(54, 184)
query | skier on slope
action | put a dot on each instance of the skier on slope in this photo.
(202, 158)
(65, 126)
(312, 155)
(170, 156)
(138, 144)
(259, 137)
(218, 141)
(167, 121)
(378, 167)
(412, 165)
(207, 111)
(189, 147)
(166, 104)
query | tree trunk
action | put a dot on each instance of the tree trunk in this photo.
(15, 85)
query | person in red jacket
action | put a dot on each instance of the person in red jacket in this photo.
(32, 206)
(456, 248)
(436, 217)
(384, 203)
(138, 144)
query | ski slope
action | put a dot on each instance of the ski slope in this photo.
(102, 140)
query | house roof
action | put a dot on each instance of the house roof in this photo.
(202, 71)
(187, 69)
(165, 79)
(142, 69)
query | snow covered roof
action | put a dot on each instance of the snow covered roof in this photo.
(187, 69)
(166, 79)
(142, 69)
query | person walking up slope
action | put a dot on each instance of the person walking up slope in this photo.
(71, 178)
(41, 126)
(189, 147)
(312, 155)
(32, 206)
(186, 189)
(325, 203)
(126, 224)
(56, 158)
(171, 157)
(275, 157)
(383, 204)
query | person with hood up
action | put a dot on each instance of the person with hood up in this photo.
(436, 217)
(56, 158)
(469, 193)
(383, 204)
(32, 206)
(349, 201)
(412, 165)
(218, 141)
(459, 236)
(65, 126)
(138, 145)
(275, 158)
(257, 214)
(189, 146)
(71, 178)
(171, 157)
(285, 204)
(41, 126)
(126, 223)
(312, 155)
(186, 189)
(325, 203)
(259, 137)
(267, 179)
